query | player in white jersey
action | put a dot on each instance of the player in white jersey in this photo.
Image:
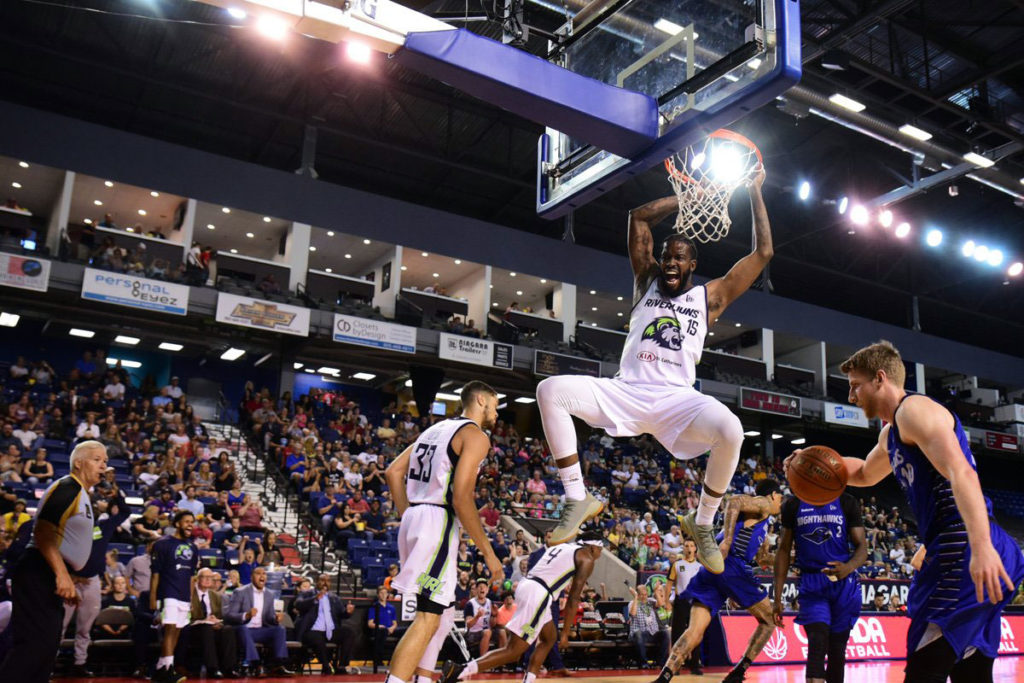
(653, 391)
(544, 581)
(433, 484)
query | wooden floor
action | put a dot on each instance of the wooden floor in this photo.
(1007, 670)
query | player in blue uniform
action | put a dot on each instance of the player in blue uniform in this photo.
(744, 543)
(972, 566)
(175, 559)
(829, 590)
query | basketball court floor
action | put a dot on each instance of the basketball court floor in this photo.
(1007, 670)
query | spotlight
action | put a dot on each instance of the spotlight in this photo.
(995, 258)
(859, 215)
(885, 218)
(237, 13)
(726, 163)
(968, 249)
(804, 191)
(1016, 269)
(843, 203)
(933, 238)
(271, 27)
(359, 53)
(981, 253)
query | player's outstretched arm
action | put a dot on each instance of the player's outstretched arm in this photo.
(395, 475)
(782, 561)
(472, 451)
(930, 426)
(744, 273)
(874, 468)
(641, 241)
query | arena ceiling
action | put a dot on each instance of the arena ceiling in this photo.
(178, 71)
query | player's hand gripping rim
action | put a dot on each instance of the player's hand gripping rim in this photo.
(988, 573)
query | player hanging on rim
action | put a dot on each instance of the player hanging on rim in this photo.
(972, 566)
(830, 597)
(744, 542)
(653, 391)
(551, 570)
(433, 483)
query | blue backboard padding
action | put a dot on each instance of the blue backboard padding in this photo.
(618, 120)
(693, 125)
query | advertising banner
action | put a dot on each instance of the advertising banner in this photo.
(547, 364)
(262, 315)
(840, 414)
(349, 329)
(135, 292)
(475, 351)
(769, 402)
(875, 636)
(24, 272)
(998, 441)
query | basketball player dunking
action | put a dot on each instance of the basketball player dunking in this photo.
(653, 392)
(433, 483)
(972, 565)
(830, 597)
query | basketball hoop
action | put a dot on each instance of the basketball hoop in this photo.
(704, 176)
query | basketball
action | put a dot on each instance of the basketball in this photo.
(817, 475)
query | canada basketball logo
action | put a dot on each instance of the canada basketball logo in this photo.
(777, 646)
(664, 332)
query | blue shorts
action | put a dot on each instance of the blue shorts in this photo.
(836, 603)
(736, 582)
(943, 593)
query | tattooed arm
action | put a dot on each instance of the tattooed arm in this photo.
(753, 506)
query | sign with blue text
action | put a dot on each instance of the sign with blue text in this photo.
(135, 292)
(349, 329)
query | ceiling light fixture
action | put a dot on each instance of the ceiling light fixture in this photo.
(915, 132)
(170, 346)
(11, 319)
(78, 332)
(232, 354)
(125, 339)
(846, 102)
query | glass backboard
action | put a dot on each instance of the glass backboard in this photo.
(705, 62)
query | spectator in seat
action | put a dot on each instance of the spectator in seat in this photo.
(10, 465)
(463, 590)
(491, 517)
(537, 485)
(644, 629)
(374, 521)
(323, 618)
(11, 521)
(251, 558)
(26, 435)
(173, 389)
(207, 631)
(478, 620)
(382, 623)
(253, 610)
(269, 285)
(147, 527)
(503, 616)
(358, 504)
(189, 502)
(250, 515)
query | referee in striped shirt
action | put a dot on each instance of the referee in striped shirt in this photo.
(41, 581)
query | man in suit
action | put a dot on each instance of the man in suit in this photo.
(217, 640)
(321, 614)
(252, 609)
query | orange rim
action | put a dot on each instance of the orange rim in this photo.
(720, 134)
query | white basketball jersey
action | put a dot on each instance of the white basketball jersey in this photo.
(556, 566)
(432, 463)
(666, 338)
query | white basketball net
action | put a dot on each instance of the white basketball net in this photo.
(704, 176)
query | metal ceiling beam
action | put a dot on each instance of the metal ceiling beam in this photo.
(844, 34)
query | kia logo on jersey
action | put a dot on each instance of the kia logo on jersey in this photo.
(777, 646)
(646, 356)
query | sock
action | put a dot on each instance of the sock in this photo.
(665, 676)
(165, 662)
(529, 677)
(744, 664)
(572, 480)
(470, 669)
(420, 678)
(707, 508)
(393, 679)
